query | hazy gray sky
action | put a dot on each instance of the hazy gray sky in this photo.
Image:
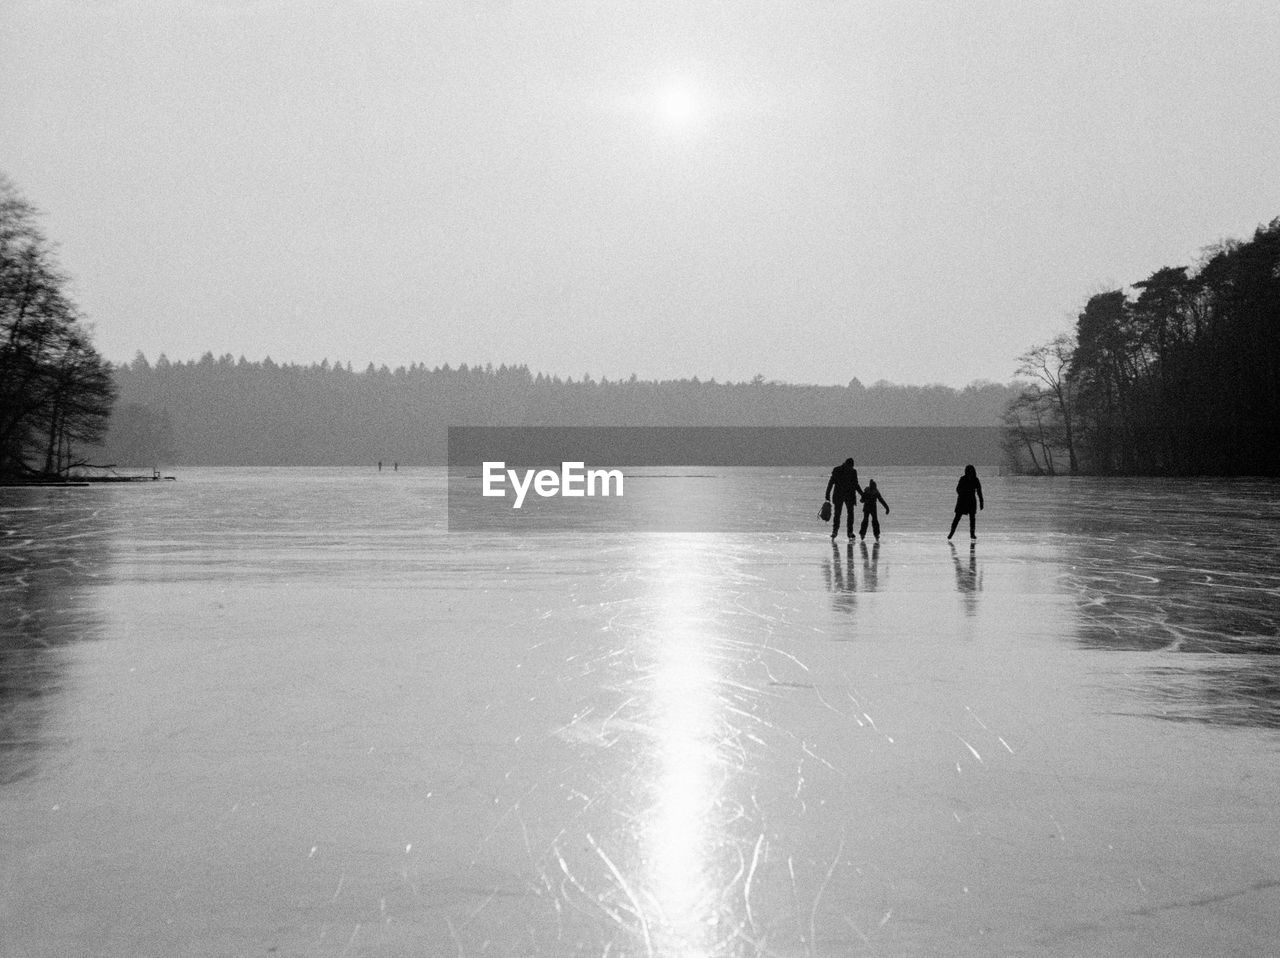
(914, 191)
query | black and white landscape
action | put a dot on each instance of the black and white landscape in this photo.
(280, 677)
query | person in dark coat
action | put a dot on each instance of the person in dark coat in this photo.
(968, 501)
(870, 496)
(843, 491)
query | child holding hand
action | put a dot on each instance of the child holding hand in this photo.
(870, 496)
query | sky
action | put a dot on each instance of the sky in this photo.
(811, 190)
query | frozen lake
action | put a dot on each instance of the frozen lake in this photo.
(284, 712)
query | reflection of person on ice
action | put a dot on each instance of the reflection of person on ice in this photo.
(870, 496)
(844, 484)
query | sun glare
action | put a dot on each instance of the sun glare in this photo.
(677, 104)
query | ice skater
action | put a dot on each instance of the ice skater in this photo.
(844, 483)
(968, 501)
(870, 496)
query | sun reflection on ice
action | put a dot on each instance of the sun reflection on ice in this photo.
(685, 738)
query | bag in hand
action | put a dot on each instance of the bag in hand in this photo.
(825, 512)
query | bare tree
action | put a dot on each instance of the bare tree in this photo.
(1031, 427)
(55, 389)
(1049, 366)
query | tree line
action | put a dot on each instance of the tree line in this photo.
(56, 391)
(1178, 374)
(229, 411)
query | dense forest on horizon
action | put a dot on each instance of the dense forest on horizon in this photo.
(228, 411)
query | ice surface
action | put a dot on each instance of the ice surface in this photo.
(284, 713)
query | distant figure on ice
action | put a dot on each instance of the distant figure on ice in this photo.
(870, 496)
(844, 484)
(968, 501)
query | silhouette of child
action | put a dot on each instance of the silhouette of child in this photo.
(870, 496)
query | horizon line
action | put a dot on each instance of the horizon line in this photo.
(712, 380)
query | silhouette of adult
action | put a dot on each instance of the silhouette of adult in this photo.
(842, 492)
(968, 501)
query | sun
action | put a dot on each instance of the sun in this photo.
(677, 104)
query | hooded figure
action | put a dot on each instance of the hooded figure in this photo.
(968, 501)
